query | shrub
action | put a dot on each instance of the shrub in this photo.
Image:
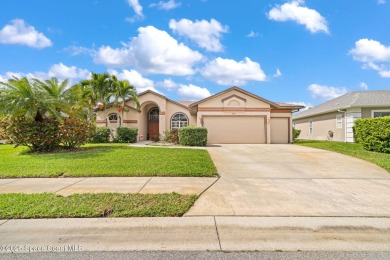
(193, 136)
(75, 132)
(38, 136)
(126, 135)
(102, 135)
(296, 133)
(373, 133)
(171, 136)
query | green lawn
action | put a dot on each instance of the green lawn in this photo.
(351, 149)
(106, 160)
(50, 205)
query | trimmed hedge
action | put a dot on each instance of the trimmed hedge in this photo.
(373, 133)
(193, 136)
(126, 135)
(102, 135)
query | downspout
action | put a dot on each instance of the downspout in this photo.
(345, 124)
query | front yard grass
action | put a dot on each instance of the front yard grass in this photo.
(50, 205)
(351, 149)
(95, 160)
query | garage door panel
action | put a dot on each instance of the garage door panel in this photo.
(235, 130)
(280, 130)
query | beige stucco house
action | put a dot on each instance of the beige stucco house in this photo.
(231, 116)
(338, 115)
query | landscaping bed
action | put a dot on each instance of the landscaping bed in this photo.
(351, 149)
(50, 205)
(108, 160)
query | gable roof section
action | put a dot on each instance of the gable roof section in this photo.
(273, 104)
(162, 96)
(373, 98)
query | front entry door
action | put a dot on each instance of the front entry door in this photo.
(153, 124)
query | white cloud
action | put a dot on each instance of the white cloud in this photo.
(62, 71)
(18, 32)
(153, 51)
(230, 72)
(301, 103)
(137, 10)
(326, 92)
(168, 84)
(59, 71)
(277, 74)
(78, 50)
(363, 85)
(136, 79)
(298, 12)
(191, 92)
(252, 34)
(167, 5)
(373, 54)
(381, 1)
(206, 34)
(118, 57)
(367, 50)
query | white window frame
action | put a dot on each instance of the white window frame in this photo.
(180, 123)
(339, 121)
(382, 110)
(310, 127)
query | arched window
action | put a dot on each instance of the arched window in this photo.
(179, 120)
(153, 114)
(113, 117)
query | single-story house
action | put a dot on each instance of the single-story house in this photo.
(338, 115)
(231, 116)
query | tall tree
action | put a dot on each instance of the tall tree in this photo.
(123, 92)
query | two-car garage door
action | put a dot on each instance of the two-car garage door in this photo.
(235, 129)
(246, 129)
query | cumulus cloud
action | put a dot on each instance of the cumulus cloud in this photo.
(168, 84)
(363, 85)
(191, 92)
(153, 51)
(297, 11)
(230, 72)
(135, 5)
(373, 54)
(167, 5)
(206, 34)
(252, 34)
(136, 79)
(326, 92)
(18, 32)
(59, 71)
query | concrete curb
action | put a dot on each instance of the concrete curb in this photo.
(197, 234)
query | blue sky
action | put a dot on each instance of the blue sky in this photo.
(285, 51)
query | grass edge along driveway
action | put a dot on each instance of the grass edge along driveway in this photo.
(352, 149)
(104, 160)
(50, 205)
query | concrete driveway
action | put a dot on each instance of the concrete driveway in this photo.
(292, 180)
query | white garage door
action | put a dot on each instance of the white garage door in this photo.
(235, 129)
(279, 130)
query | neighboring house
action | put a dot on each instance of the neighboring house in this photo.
(231, 116)
(338, 115)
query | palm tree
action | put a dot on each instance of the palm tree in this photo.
(97, 89)
(123, 92)
(20, 98)
(63, 97)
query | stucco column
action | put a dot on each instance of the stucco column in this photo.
(268, 128)
(162, 124)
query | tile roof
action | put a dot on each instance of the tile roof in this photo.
(373, 98)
